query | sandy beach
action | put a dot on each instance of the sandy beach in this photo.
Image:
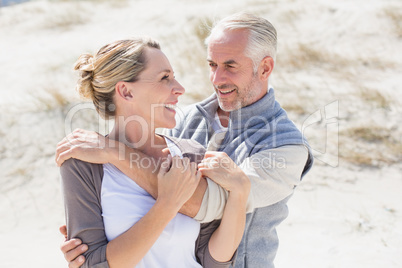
(338, 74)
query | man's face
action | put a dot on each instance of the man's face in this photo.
(231, 72)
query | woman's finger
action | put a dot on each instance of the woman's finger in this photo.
(165, 165)
(61, 157)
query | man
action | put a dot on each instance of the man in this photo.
(241, 120)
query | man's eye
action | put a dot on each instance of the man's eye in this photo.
(165, 77)
(212, 64)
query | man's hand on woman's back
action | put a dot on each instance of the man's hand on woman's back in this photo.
(72, 249)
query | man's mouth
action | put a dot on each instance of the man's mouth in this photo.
(227, 91)
(171, 107)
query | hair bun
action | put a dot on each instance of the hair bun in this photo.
(85, 67)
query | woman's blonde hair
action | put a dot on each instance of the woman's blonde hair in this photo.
(122, 60)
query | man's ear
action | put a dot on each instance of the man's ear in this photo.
(123, 91)
(266, 67)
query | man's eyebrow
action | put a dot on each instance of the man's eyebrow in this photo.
(230, 62)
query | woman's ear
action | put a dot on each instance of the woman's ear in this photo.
(123, 90)
(266, 67)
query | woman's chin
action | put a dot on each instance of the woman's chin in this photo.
(168, 124)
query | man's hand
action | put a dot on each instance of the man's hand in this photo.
(72, 250)
(88, 146)
(219, 167)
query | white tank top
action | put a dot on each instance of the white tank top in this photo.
(124, 202)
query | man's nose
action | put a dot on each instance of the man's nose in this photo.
(218, 76)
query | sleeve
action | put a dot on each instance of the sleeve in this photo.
(213, 203)
(273, 173)
(81, 186)
(202, 251)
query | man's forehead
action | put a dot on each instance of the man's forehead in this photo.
(227, 36)
(228, 43)
(227, 54)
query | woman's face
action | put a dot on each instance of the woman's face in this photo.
(156, 91)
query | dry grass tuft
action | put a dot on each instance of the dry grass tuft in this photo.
(375, 97)
(193, 64)
(65, 21)
(65, 17)
(112, 3)
(305, 56)
(369, 146)
(295, 107)
(302, 56)
(373, 62)
(117, 3)
(49, 99)
(395, 16)
(16, 178)
(372, 134)
(202, 28)
(357, 158)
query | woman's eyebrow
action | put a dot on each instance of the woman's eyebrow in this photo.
(165, 71)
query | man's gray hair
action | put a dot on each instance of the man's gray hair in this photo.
(262, 35)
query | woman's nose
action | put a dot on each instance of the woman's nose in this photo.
(178, 88)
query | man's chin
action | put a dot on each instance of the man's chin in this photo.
(229, 107)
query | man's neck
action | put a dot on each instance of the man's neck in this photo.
(223, 117)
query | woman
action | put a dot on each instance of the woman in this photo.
(132, 81)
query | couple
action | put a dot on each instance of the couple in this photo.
(118, 218)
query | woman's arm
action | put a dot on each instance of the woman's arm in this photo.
(175, 187)
(81, 187)
(226, 238)
(92, 147)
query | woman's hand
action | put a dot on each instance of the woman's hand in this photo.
(177, 181)
(85, 145)
(220, 168)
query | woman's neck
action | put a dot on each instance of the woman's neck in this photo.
(136, 136)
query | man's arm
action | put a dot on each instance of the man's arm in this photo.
(273, 174)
